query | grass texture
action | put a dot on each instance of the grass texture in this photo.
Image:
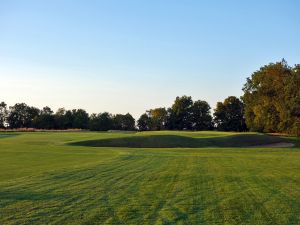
(48, 178)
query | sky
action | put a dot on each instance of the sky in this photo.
(131, 56)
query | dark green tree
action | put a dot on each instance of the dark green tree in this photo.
(80, 119)
(68, 120)
(59, 119)
(3, 114)
(101, 122)
(45, 120)
(46, 111)
(170, 124)
(229, 115)
(21, 115)
(292, 100)
(124, 122)
(144, 122)
(180, 114)
(200, 116)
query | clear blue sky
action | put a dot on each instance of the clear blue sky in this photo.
(130, 56)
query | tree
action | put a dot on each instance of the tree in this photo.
(153, 119)
(3, 114)
(80, 119)
(46, 111)
(292, 99)
(101, 122)
(183, 115)
(170, 123)
(45, 120)
(124, 122)
(180, 113)
(144, 122)
(200, 116)
(158, 118)
(229, 115)
(21, 115)
(68, 120)
(59, 119)
(268, 96)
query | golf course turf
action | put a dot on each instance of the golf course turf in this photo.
(178, 141)
(148, 178)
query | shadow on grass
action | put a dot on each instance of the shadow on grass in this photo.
(25, 195)
(177, 141)
(6, 135)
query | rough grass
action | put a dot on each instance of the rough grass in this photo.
(44, 180)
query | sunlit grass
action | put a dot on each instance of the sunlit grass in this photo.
(44, 180)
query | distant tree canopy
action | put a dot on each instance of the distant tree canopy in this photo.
(270, 103)
(184, 114)
(200, 116)
(159, 117)
(45, 119)
(21, 115)
(80, 119)
(144, 122)
(272, 99)
(229, 115)
(123, 122)
(180, 113)
(153, 119)
(101, 122)
(3, 114)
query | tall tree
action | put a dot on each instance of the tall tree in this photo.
(180, 114)
(292, 100)
(45, 120)
(3, 114)
(265, 98)
(229, 115)
(68, 120)
(59, 122)
(80, 119)
(144, 122)
(101, 122)
(200, 116)
(46, 111)
(21, 115)
(158, 118)
(124, 122)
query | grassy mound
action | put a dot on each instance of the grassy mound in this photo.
(178, 141)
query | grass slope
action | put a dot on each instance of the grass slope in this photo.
(45, 181)
(183, 141)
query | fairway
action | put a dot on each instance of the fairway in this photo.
(185, 178)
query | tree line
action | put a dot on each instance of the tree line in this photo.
(270, 103)
(184, 114)
(23, 116)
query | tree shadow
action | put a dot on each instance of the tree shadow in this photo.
(26, 195)
(7, 135)
(177, 141)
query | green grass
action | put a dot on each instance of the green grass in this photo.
(46, 179)
(177, 140)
